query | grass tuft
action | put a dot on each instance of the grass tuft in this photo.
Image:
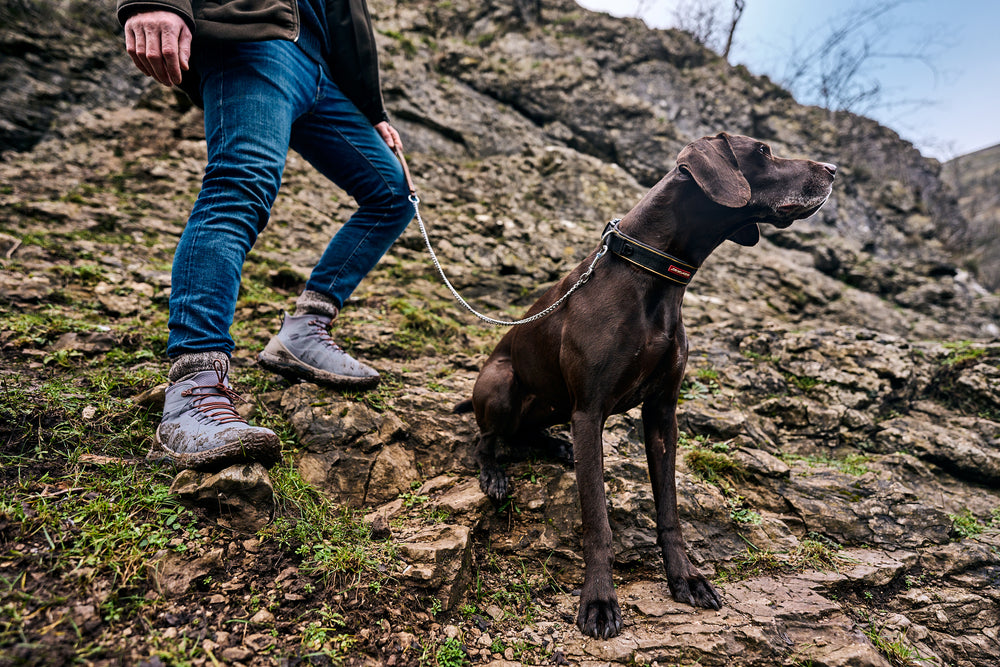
(813, 553)
(332, 542)
(713, 466)
(965, 525)
(896, 649)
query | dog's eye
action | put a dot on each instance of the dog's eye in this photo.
(764, 150)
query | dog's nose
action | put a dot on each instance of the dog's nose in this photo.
(832, 168)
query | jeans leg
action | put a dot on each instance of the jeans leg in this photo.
(341, 144)
(252, 93)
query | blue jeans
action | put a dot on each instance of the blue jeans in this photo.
(260, 99)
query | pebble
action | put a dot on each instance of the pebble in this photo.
(237, 654)
(262, 617)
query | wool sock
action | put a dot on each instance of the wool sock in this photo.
(315, 303)
(196, 362)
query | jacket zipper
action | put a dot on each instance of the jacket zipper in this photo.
(298, 21)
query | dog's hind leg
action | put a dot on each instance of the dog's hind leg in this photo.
(686, 583)
(497, 408)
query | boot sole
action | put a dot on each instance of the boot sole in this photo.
(263, 448)
(277, 359)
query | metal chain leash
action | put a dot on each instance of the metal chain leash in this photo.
(415, 200)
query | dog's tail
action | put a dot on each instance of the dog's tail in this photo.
(463, 407)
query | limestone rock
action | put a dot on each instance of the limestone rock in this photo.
(439, 558)
(173, 573)
(465, 500)
(937, 440)
(240, 496)
(790, 619)
(341, 474)
(392, 473)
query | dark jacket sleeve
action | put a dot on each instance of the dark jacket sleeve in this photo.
(354, 60)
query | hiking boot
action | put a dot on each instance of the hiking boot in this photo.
(304, 351)
(201, 429)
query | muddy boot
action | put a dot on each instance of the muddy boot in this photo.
(304, 351)
(202, 430)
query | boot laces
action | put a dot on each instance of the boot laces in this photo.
(223, 410)
(321, 332)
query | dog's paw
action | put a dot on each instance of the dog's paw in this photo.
(695, 590)
(493, 482)
(601, 619)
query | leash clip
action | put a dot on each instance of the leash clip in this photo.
(590, 270)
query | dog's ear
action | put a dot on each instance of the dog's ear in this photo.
(710, 161)
(747, 236)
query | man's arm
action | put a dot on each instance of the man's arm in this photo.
(159, 43)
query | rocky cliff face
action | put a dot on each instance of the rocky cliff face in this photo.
(612, 90)
(976, 179)
(57, 58)
(841, 416)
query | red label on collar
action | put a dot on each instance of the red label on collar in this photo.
(679, 271)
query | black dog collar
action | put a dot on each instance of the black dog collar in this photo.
(646, 257)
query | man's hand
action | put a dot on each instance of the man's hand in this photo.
(159, 44)
(390, 135)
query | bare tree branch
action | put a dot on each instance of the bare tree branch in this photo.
(704, 20)
(738, 7)
(841, 71)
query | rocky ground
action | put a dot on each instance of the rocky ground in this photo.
(840, 464)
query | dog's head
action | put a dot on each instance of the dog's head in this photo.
(738, 172)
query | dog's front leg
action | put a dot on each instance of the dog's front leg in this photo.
(492, 478)
(686, 583)
(599, 614)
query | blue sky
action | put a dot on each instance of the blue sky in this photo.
(946, 107)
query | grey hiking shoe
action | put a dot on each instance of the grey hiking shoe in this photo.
(303, 350)
(201, 429)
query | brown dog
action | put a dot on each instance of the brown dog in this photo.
(619, 341)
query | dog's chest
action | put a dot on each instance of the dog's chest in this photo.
(654, 370)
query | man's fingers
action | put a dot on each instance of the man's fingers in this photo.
(170, 57)
(175, 52)
(154, 55)
(382, 129)
(135, 44)
(130, 47)
(159, 44)
(185, 48)
(389, 135)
